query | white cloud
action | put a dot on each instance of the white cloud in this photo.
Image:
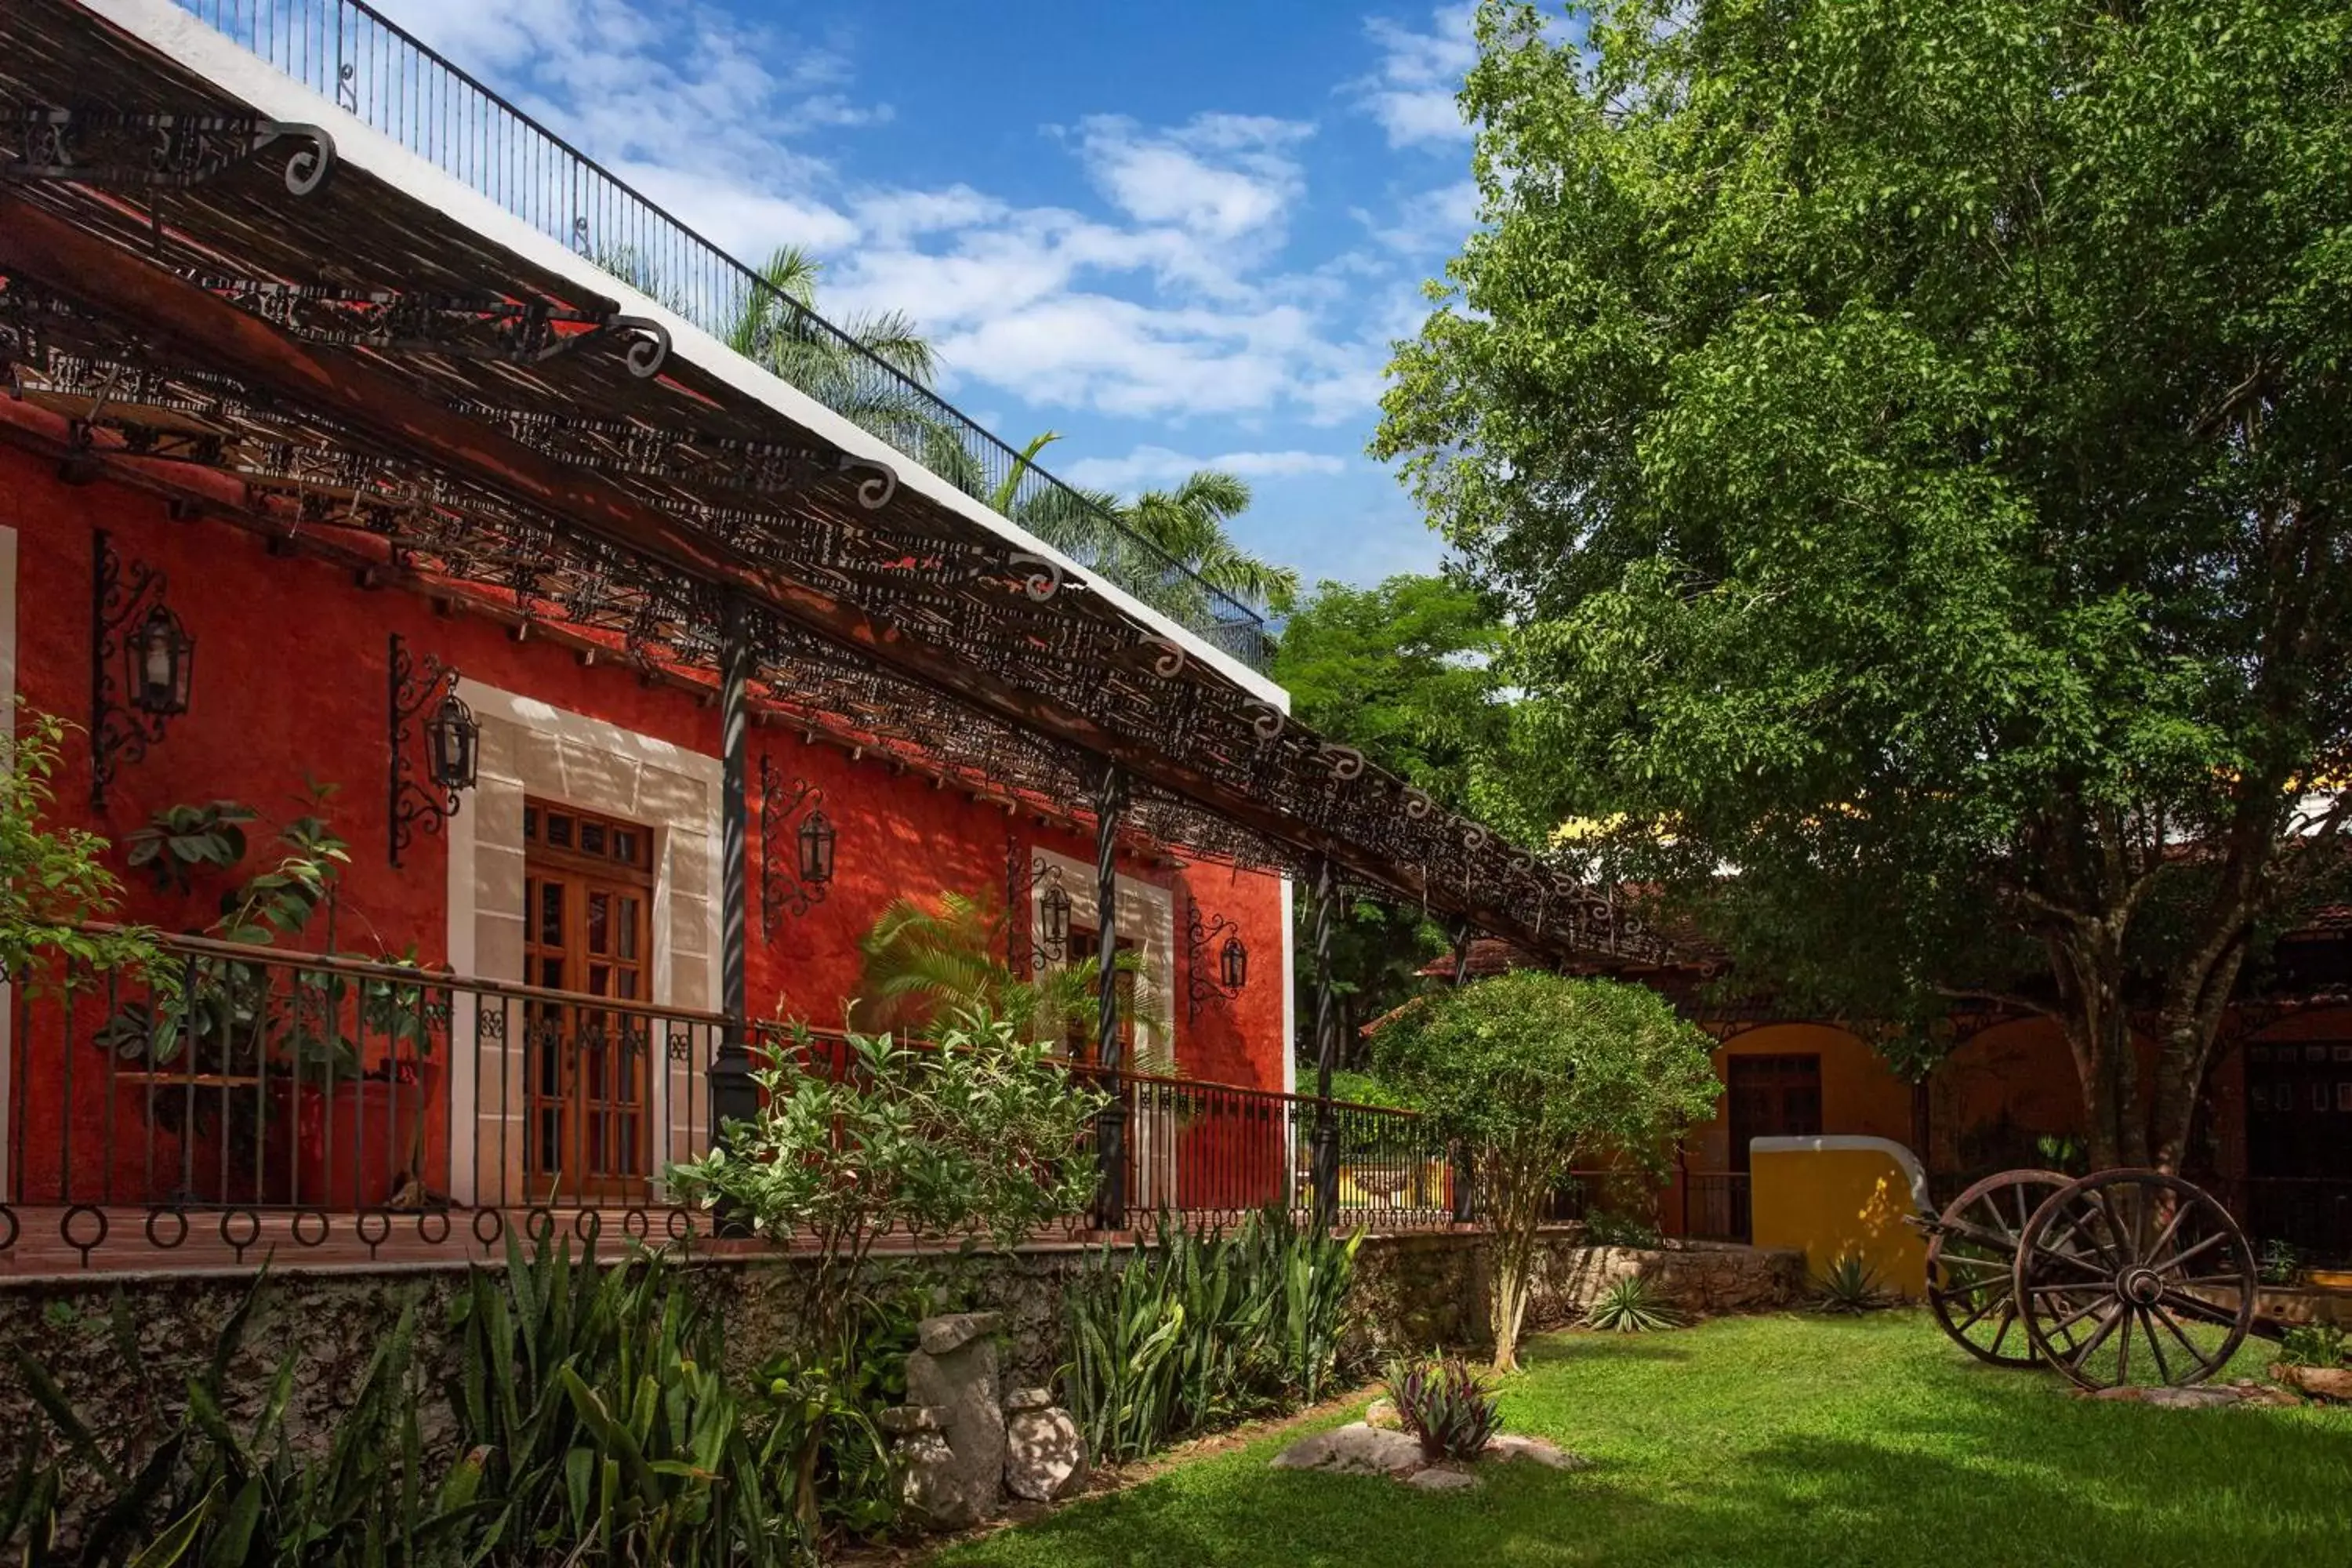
(1151, 464)
(745, 223)
(684, 97)
(1430, 223)
(1412, 93)
(1221, 176)
(1168, 300)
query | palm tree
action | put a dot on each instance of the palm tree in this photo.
(1132, 540)
(1189, 523)
(775, 325)
(927, 959)
(848, 368)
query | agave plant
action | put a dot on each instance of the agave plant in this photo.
(1445, 1405)
(594, 1398)
(1849, 1285)
(1632, 1306)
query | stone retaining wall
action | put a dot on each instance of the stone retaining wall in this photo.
(1412, 1291)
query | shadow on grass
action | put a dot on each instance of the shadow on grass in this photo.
(1906, 1457)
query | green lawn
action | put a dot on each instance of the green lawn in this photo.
(1769, 1441)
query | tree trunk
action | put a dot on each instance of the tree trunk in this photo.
(2187, 1029)
(1513, 1191)
(2087, 963)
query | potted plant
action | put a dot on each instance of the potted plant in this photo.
(353, 1131)
(264, 1068)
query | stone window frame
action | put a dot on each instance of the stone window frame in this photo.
(530, 748)
(1147, 916)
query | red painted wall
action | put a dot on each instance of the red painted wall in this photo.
(290, 685)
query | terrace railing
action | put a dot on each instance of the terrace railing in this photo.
(248, 1096)
(257, 1100)
(348, 51)
(1217, 1151)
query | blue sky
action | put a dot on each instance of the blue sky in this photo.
(1178, 233)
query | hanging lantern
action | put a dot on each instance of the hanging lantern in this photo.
(1056, 906)
(163, 658)
(1232, 960)
(816, 849)
(453, 737)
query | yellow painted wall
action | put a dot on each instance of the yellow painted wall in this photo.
(1834, 1201)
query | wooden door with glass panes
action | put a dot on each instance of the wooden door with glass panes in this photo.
(588, 891)
(1772, 1097)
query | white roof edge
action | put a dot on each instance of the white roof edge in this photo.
(1905, 1160)
(190, 43)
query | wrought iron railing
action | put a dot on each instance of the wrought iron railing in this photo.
(2311, 1216)
(1218, 1152)
(252, 1099)
(346, 50)
(1714, 1206)
(247, 1096)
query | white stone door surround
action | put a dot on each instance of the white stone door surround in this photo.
(532, 748)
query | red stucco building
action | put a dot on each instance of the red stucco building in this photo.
(343, 477)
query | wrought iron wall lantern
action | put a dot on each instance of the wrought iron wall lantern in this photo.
(816, 849)
(1230, 973)
(425, 791)
(1054, 908)
(129, 623)
(796, 888)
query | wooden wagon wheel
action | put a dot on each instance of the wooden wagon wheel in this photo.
(2126, 1250)
(1972, 1263)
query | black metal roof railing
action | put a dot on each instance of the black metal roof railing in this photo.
(382, 75)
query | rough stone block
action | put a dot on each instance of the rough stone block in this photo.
(1354, 1449)
(901, 1419)
(941, 1336)
(961, 1381)
(930, 1484)
(1436, 1480)
(1044, 1455)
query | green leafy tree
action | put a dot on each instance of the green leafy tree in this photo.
(1404, 672)
(1909, 443)
(1534, 1073)
(54, 882)
(972, 1131)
